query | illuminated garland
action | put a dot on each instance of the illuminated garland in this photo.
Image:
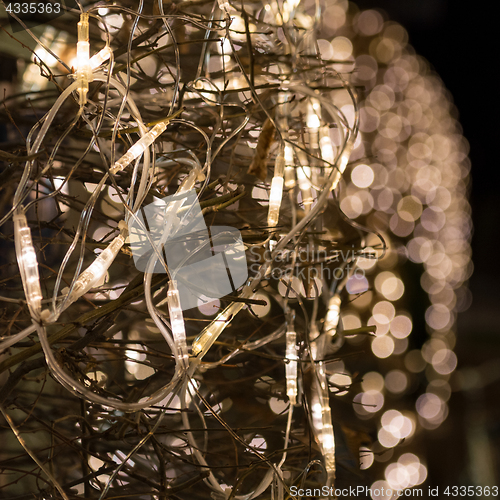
(261, 112)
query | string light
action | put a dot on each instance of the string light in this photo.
(332, 316)
(224, 5)
(304, 178)
(313, 122)
(101, 57)
(95, 273)
(83, 70)
(28, 263)
(291, 356)
(139, 147)
(177, 323)
(211, 333)
(322, 421)
(289, 167)
(276, 190)
(326, 146)
(317, 121)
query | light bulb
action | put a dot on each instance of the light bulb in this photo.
(83, 69)
(289, 167)
(139, 147)
(177, 323)
(326, 146)
(313, 123)
(303, 176)
(99, 58)
(210, 334)
(28, 263)
(224, 5)
(276, 190)
(342, 164)
(312, 120)
(327, 437)
(321, 419)
(291, 365)
(94, 274)
(332, 316)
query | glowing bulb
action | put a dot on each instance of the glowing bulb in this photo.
(210, 334)
(332, 316)
(83, 69)
(276, 191)
(139, 147)
(291, 356)
(322, 420)
(177, 323)
(94, 274)
(327, 438)
(224, 5)
(289, 167)
(28, 263)
(326, 146)
(313, 122)
(303, 176)
(99, 58)
(342, 164)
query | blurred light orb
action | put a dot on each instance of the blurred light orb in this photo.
(396, 381)
(362, 176)
(382, 346)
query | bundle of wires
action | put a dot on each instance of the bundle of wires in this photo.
(253, 115)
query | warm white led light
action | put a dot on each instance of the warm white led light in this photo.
(304, 176)
(332, 316)
(275, 201)
(209, 335)
(289, 167)
(83, 69)
(28, 263)
(312, 120)
(291, 365)
(177, 323)
(224, 5)
(326, 146)
(276, 194)
(101, 57)
(94, 274)
(342, 164)
(139, 147)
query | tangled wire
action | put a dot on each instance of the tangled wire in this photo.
(164, 384)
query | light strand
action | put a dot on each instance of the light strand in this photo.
(177, 324)
(83, 70)
(28, 263)
(291, 357)
(276, 190)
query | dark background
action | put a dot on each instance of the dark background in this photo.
(461, 41)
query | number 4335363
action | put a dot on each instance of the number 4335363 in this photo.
(34, 8)
(471, 491)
